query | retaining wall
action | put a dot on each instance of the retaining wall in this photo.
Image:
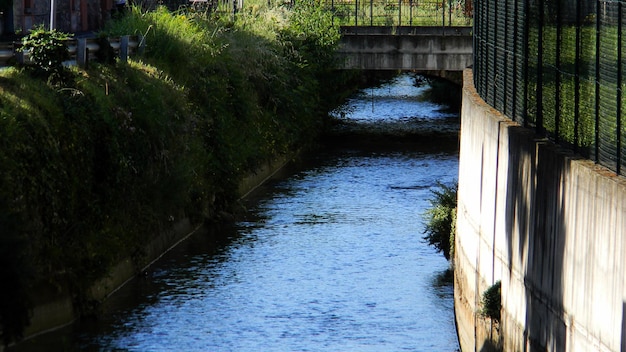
(55, 309)
(550, 226)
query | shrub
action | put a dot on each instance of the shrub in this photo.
(492, 302)
(91, 173)
(47, 50)
(440, 217)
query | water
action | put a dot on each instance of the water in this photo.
(399, 108)
(329, 259)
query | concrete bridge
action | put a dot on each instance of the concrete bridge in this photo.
(406, 48)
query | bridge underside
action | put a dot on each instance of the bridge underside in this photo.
(420, 52)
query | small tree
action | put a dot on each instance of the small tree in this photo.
(440, 217)
(47, 50)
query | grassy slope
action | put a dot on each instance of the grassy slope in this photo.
(91, 169)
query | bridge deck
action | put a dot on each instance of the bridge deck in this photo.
(406, 48)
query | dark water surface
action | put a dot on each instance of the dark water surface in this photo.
(328, 259)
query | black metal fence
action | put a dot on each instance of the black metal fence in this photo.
(557, 66)
(401, 12)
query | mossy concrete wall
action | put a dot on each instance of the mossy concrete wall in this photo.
(54, 309)
(550, 226)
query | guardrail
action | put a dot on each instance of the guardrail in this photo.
(81, 50)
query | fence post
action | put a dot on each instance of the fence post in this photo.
(619, 90)
(81, 52)
(494, 53)
(141, 47)
(577, 63)
(557, 84)
(597, 88)
(124, 48)
(19, 54)
(525, 58)
(539, 117)
(443, 15)
(515, 59)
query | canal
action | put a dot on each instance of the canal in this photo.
(330, 258)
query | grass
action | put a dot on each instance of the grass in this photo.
(93, 168)
(569, 78)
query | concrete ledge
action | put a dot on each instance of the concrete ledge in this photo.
(54, 310)
(408, 30)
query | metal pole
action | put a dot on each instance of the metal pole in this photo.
(597, 88)
(506, 50)
(515, 58)
(557, 85)
(619, 89)
(52, 14)
(577, 64)
(443, 13)
(525, 58)
(494, 53)
(539, 117)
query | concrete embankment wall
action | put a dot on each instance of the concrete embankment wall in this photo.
(53, 310)
(549, 225)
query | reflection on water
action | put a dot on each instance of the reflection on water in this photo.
(399, 107)
(329, 259)
(399, 100)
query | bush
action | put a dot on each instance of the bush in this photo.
(47, 50)
(440, 218)
(90, 174)
(492, 302)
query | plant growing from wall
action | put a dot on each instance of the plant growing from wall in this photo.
(492, 302)
(439, 219)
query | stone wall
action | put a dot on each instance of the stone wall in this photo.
(550, 226)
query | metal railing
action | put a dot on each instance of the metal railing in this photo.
(81, 50)
(557, 67)
(401, 12)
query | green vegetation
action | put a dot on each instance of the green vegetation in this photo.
(95, 165)
(561, 117)
(440, 220)
(566, 80)
(400, 13)
(491, 302)
(48, 51)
